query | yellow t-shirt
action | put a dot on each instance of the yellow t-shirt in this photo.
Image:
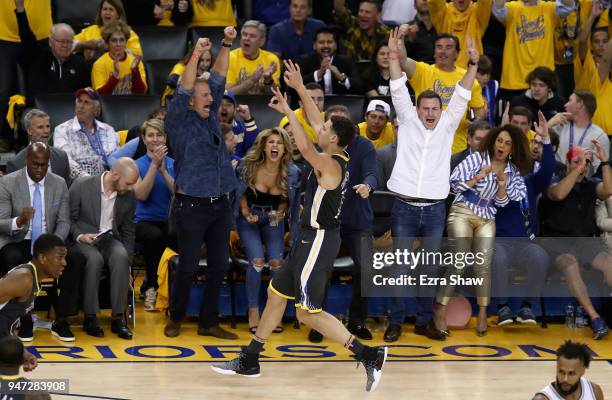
(603, 115)
(566, 26)
(472, 22)
(586, 76)
(39, 18)
(443, 83)
(240, 67)
(104, 67)
(221, 15)
(310, 132)
(386, 136)
(529, 41)
(178, 69)
(167, 18)
(94, 32)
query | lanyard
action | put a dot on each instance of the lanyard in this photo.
(571, 138)
(96, 143)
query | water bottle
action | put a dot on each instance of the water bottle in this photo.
(569, 316)
(581, 319)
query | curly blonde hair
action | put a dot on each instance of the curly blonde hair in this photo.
(256, 157)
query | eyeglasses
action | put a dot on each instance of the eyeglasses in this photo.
(64, 42)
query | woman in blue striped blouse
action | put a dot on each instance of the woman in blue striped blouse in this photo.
(483, 181)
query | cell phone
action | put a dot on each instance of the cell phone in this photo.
(102, 235)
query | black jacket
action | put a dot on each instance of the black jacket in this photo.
(552, 106)
(311, 62)
(45, 74)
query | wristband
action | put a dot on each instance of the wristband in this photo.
(472, 63)
(195, 56)
(393, 56)
(225, 44)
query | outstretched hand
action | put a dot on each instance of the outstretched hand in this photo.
(202, 45)
(395, 36)
(230, 34)
(600, 152)
(278, 101)
(471, 50)
(293, 76)
(541, 127)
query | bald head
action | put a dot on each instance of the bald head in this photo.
(37, 160)
(124, 174)
(38, 147)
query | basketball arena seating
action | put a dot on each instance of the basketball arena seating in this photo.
(162, 43)
(214, 33)
(78, 14)
(125, 112)
(157, 74)
(354, 103)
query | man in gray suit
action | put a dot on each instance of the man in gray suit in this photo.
(102, 212)
(36, 123)
(34, 201)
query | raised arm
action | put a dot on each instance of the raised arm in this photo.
(339, 8)
(191, 69)
(605, 64)
(564, 8)
(293, 79)
(585, 34)
(559, 191)
(399, 92)
(408, 64)
(222, 61)
(604, 189)
(470, 75)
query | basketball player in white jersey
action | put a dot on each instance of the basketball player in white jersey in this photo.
(572, 361)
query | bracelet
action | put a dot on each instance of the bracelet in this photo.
(225, 44)
(195, 56)
(393, 57)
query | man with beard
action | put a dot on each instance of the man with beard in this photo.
(572, 361)
(245, 129)
(377, 127)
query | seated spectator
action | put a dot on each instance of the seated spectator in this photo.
(489, 86)
(541, 94)
(522, 118)
(230, 143)
(576, 128)
(90, 42)
(267, 181)
(157, 12)
(291, 38)
(117, 71)
(376, 78)
(463, 19)
(271, 12)
(421, 34)
(102, 212)
(362, 32)
(334, 72)
(397, 12)
(209, 12)
(87, 141)
(376, 126)
(477, 132)
(33, 202)
(315, 92)
(515, 229)
(134, 148)
(567, 210)
(36, 123)
(153, 191)
(242, 123)
(206, 61)
(52, 69)
(252, 70)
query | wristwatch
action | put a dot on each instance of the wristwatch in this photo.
(343, 78)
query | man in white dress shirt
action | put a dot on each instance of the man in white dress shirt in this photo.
(420, 178)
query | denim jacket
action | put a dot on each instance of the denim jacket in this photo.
(294, 179)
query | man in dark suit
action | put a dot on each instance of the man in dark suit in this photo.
(102, 212)
(34, 201)
(36, 123)
(334, 72)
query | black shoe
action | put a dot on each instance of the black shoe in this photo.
(26, 330)
(373, 359)
(360, 331)
(119, 327)
(245, 365)
(392, 333)
(92, 327)
(314, 336)
(429, 330)
(61, 330)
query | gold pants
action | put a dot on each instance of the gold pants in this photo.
(469, 233)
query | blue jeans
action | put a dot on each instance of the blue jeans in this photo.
(408, 223)
(254, 237)
(532, 258)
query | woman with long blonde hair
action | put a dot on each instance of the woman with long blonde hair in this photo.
(264, 199)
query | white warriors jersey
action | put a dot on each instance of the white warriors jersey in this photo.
(587, 391)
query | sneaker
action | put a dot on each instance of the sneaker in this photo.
(245, 364)
(525, 316)
(142, 291)
(504, 316)
(600, 329)
(373, 362)
(150, 298)
(61, 330)
(26, 330)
